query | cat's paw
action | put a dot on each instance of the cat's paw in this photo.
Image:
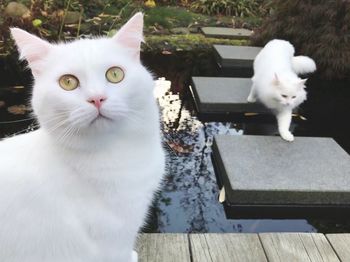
(251, 99)
(288, 136)
(134, 256)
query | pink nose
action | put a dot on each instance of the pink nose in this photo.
(97, 101)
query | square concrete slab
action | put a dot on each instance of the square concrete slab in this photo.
(236, 56)
(219, 95)
(224, 32)
(264, 170)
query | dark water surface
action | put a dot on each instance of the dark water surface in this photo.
(188, 201)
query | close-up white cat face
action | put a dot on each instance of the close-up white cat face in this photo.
(289, 93)
(89, 84)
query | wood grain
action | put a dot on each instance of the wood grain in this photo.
(226, 248)
(306, 247)
(163, 248)
(341, 245)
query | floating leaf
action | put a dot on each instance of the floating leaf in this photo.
(222, 195)
(300, 116)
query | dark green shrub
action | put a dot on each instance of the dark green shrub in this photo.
(319, 29)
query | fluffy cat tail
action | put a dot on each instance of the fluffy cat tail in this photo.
(303, 64)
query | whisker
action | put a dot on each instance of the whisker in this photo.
(17, 121)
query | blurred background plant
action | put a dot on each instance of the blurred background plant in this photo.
(170, 25)
(320, 29)
(239, 8)
(67, 19)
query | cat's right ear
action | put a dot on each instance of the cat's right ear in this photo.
(31, 48)
(131, 34)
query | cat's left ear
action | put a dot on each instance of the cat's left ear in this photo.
(302, 83)
(31, 48)
(131, 34)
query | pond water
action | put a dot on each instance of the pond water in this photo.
(188, 199)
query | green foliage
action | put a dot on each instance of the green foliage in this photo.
(241, 8)
(167, 17)
(319, 29)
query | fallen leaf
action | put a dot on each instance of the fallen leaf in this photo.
(18, 109)
(165, 52)
(180, 148)
(251, 114)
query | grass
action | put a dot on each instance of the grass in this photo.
(170, 17)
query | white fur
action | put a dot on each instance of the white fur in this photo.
(276, 83)
(78, 189)
(303, 64)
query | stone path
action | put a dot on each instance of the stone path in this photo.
(223, 32)
(267, 171)
(236, 56)
(215, 96)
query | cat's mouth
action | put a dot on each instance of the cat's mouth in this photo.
(100, 117)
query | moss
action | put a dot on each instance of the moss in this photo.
(189, 42)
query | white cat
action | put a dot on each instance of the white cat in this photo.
(276, 83)
(79, 188)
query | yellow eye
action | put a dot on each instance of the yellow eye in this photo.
(115, 74)
(68, 82)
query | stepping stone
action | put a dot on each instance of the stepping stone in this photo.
(235, 61)
(224, 32)
(310, 174)
(217, 96)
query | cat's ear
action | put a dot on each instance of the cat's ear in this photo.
(276, 80)
(31, 48)
(302, 83)
(131, 34)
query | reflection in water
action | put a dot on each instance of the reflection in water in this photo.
(188, 201)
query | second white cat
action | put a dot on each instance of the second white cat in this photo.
(276, 83)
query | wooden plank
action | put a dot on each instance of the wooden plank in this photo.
(341, 245)
(163, 248)
(297, 247)
(226, 247)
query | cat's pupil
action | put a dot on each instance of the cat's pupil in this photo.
(293, 97)
(285, 96)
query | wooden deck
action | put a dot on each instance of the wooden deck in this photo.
(294, 247)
